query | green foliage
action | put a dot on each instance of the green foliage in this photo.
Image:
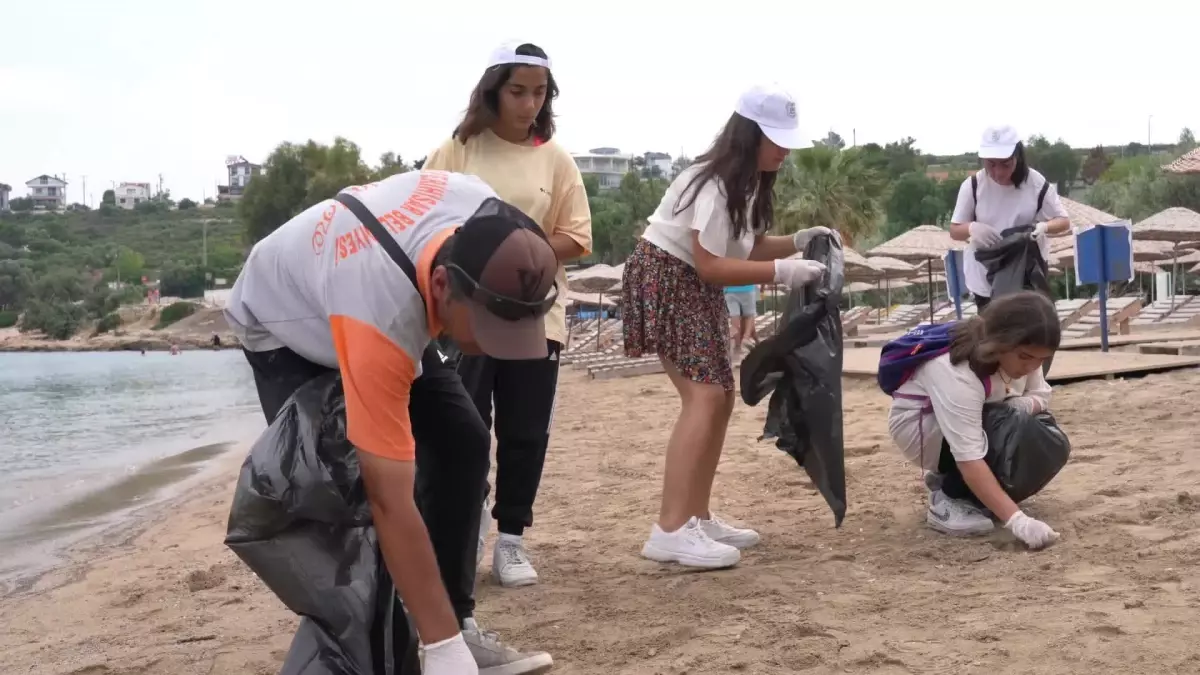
(182, 281)
(1095, 165)
(1136, 188)
(56, 319)
(110, 197)
(828, 187)
(129, 264)
(185, 204)
(8, 318)
(916, 199)
(296, 177)
(16, 282)
(619, 216)
(1057, 162)
(174, 312)
(108, 322)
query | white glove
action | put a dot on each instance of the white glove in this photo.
(1033, 532)
(1027, 404)
(802, 237)
(983, 235)
(449, 657)
(796, 272)
(1039, 230)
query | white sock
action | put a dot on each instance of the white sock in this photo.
(511, 538)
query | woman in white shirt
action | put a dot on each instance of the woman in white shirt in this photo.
(994, 357)
(1005, 193)
(709, 232)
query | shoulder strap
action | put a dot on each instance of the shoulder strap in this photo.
(385, 239)
(1042, 197)
(974, 195)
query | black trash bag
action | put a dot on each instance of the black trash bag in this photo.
(802, 365)
(300, 520)
(1025, 451)
(1016, 264)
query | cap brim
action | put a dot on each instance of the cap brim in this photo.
(509, 340)
(997, 151)
(791, 139)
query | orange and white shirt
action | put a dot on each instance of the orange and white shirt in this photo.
(321, 286)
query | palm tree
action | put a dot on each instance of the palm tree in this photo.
(833, 188)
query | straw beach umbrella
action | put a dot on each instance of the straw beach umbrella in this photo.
(1189, 164)
(925, 243)
(597, 279)
(1176, 225)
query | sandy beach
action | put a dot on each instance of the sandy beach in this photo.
(1120, 593)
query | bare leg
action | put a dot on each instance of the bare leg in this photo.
(693, 450)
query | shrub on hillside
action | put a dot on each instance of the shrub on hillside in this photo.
(108, 322)
(8, 318)
(174, 312)
(57, 320)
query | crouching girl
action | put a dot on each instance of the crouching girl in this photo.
(940, 377)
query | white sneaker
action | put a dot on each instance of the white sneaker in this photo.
(496, 658)
(720, 531)
(689, 546)
(956, 517)
(485, 520)
(510, 564)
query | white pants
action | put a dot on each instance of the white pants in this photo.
(915, 431)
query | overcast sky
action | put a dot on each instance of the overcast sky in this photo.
(123, 90)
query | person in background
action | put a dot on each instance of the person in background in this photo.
(1005, 193)
(506, 138)
(709, 232)
(319, 295)
(995, 356)
(742, 309)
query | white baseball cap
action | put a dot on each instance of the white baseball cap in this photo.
(507, 54)
(998, 142)
(774, 110)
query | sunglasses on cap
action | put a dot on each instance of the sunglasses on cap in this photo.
(502, 306)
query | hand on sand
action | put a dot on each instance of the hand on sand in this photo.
(1032, 531)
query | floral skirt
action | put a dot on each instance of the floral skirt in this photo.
(669, 311)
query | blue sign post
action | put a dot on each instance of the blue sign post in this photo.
(1104, 253)
(956, 279)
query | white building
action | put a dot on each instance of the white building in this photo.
(4, 190)
(48, 192)
(659, 163)
(240, 171)
(607, 164)
(130, 195)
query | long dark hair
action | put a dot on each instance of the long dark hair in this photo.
(484, 108)
(1020, 172)
(1024, 319)
(733, 158)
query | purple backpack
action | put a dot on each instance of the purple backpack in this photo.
(900, 358)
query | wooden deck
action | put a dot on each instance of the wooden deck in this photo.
(1068, 366)
(1132, 339)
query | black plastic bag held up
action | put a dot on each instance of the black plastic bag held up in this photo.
(1016, 264)
(802, 365)
(1025, 451)
(300, 520)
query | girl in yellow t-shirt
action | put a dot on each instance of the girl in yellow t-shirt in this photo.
(506, 138)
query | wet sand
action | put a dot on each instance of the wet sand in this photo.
(1120, 593)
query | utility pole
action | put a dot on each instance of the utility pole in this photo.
(1148, 143)
(204, 255)
(854, 138)
(85, 199)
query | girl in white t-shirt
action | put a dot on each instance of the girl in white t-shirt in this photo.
(709, 231)
(1005, 193)
(995, 356)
